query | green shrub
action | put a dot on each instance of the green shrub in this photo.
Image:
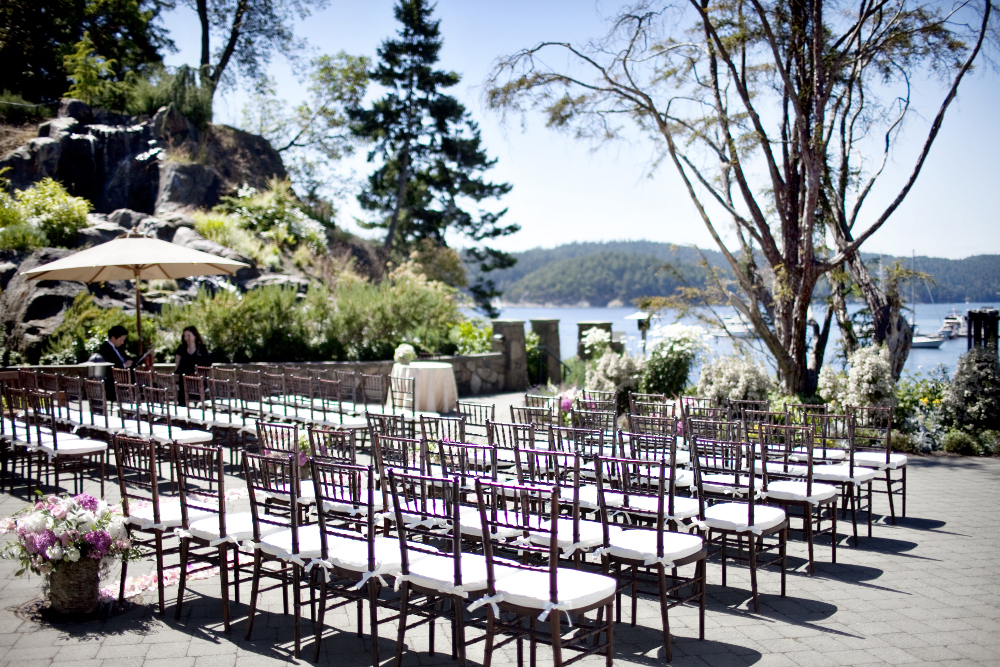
(905, 442)
(960, 442)
(15, 110)
(55, 212)
(91, 75)
(670, 361)
(989, 441)
(575, 373)
(21, 236)
(225, 230)
(274, 214)
(472, 336)
(919, 400)
(533, 352)
(972, 402)
(85, 326)
(180, 88)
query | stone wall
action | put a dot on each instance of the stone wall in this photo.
(478, 374)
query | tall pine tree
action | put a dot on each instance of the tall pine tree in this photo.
(431, 163)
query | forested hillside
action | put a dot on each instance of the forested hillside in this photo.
(598, 273)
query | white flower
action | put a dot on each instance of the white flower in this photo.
(734, 378)
(595, 342)
(404, 354)
(72, 554)
(55, 552)
(35, 523)
(116, 529)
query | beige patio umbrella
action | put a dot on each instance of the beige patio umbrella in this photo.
(134, 257)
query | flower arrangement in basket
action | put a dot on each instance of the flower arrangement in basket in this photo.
(404, 354)
(71, 541)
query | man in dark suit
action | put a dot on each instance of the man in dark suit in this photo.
(112, 351)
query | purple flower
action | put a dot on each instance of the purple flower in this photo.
(566, 404)
(99, 541)
(86, 501)
(44, 540)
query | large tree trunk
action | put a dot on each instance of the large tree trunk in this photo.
(889, 327)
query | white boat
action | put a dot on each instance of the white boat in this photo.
(735, 328)
(926, 342)
(954, 326)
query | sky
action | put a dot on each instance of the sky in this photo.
(566, 190)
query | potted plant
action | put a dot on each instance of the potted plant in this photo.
(70, 541)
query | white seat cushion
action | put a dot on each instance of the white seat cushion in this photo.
(641, 545)
(591, 535)
(170, 515)
(841, 472)
(471, 524)
(819, 454)
(877, 460)
(577, 589)
(352, 555)
(279, 544)
(724, 484)
(438, 573)
(683, 507)
(75, 447)
(45, 437)
(239, 527)
(733, 516)
(788, 489)
(588, 496)
(191, 437)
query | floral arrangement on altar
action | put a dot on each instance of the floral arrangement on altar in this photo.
(59, 530)
(404, 354)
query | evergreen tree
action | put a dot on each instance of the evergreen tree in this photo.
(431, 161)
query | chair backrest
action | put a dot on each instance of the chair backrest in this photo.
(248, 376)
(224, 374)
(509, 437)
(15, 399)
(523, 510)
(596, 395)
(637, 487)
(651, 424)
(433, 429)
(713, 429)
(203, 371)
(871, 429)
(71, 391)
(477, 415)
(586, 442)
(467, 461)
(553, 403)
(432, 515)
(224, 400)
(392, 425)
(43, 415)
(726, 470)
(345, 502)
(302, 393)
(97, 401)
(196, 391)
(158, 406)
(785, 451)
(273, 478)
(329, 393)
(274, 391)
(273, 437)
(540, 417)
(48, 382)
(201, 481)
(687, 402)
(142, 378)
(798, 413)
(402, 394)
(545, 466)
(251, 397)
(595, 405)
(737, 406)
(135, 463)
(332, 444)
(604, 420)
(650, 405)
(647, 447)
(373, 390)
(408, 454)
(28, 378)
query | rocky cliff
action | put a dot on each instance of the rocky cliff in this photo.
(150, 165)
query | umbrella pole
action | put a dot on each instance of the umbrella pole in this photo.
(138, 313)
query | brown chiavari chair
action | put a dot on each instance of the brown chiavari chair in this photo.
(301, 397)
(553, 403)
(60, 451)
(150, 517)
(872, 448)
(477, 415)
(538, 589)
(402, 395)
(374, 393)
(593, 420)
(644, 490)
(542, 418)
(588, 444)
(596, 395)
(594, 405)
(350, 385)
(276, 394)
(330, 444)
(509, 437)
(278, 538)
(430, 576)
(16, 447)
(650, 405)
(728, 471)
(28, 378)
(248, 376)
(798, 413)
(206, 540)
(160, 422)
(787, 465)
(101, 410)
(652, 424)
(737, 406)
(433, 429)
(392, 425)
(224, 374)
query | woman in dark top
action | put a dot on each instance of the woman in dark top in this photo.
(190, 353)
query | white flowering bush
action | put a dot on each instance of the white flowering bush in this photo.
(734, 378)
(831, 386)
(868, 382)
(614, 372)
(675, 349)
(596, 342)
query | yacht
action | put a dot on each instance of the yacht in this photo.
(735, 328)
(926, 342)
(955, 325)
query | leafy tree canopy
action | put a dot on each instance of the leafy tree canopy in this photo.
(37, 35)
(430, 159)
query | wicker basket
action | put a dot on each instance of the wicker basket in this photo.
(74, 588)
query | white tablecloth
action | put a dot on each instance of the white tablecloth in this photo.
(434, 384)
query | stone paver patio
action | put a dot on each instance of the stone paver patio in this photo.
(926, 591)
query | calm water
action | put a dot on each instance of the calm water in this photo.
(929, 318)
